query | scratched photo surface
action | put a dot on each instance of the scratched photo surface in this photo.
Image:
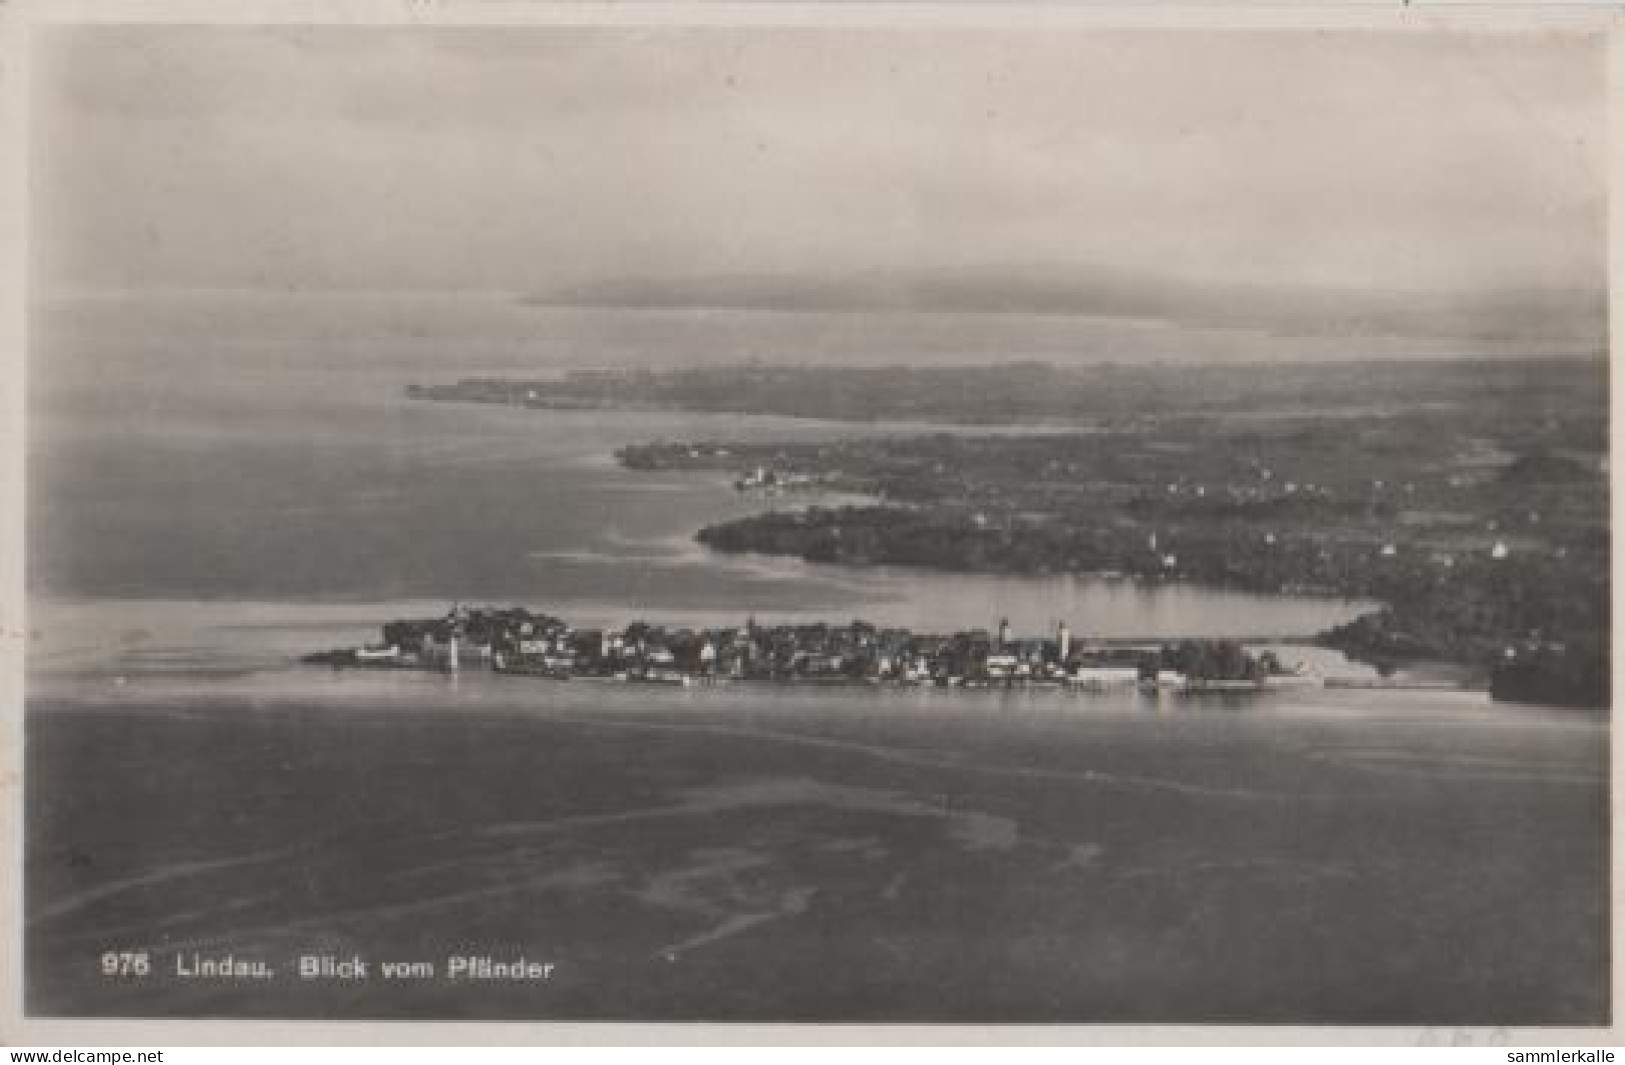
(823, 523)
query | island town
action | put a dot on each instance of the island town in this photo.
(518, 641)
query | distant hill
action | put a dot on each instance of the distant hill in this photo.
(1576, 316)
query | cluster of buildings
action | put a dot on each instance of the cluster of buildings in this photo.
(519, 641)
(769, 480)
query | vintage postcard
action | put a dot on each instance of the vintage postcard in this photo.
(821, 514)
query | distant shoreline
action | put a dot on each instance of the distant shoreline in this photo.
(1467, 499)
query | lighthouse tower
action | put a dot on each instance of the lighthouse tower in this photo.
(1063, 642)
(1004, 633)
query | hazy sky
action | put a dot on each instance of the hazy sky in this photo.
(670, 164)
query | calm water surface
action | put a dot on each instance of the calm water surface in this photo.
(167, 467)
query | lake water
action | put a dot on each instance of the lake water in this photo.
(169, 468)
(837, 854)
(216, 493)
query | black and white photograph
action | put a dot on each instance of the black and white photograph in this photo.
(625, 514)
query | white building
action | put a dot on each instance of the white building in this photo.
(1105, 676)
(1001, 665)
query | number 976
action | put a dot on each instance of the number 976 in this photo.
(126, 963)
